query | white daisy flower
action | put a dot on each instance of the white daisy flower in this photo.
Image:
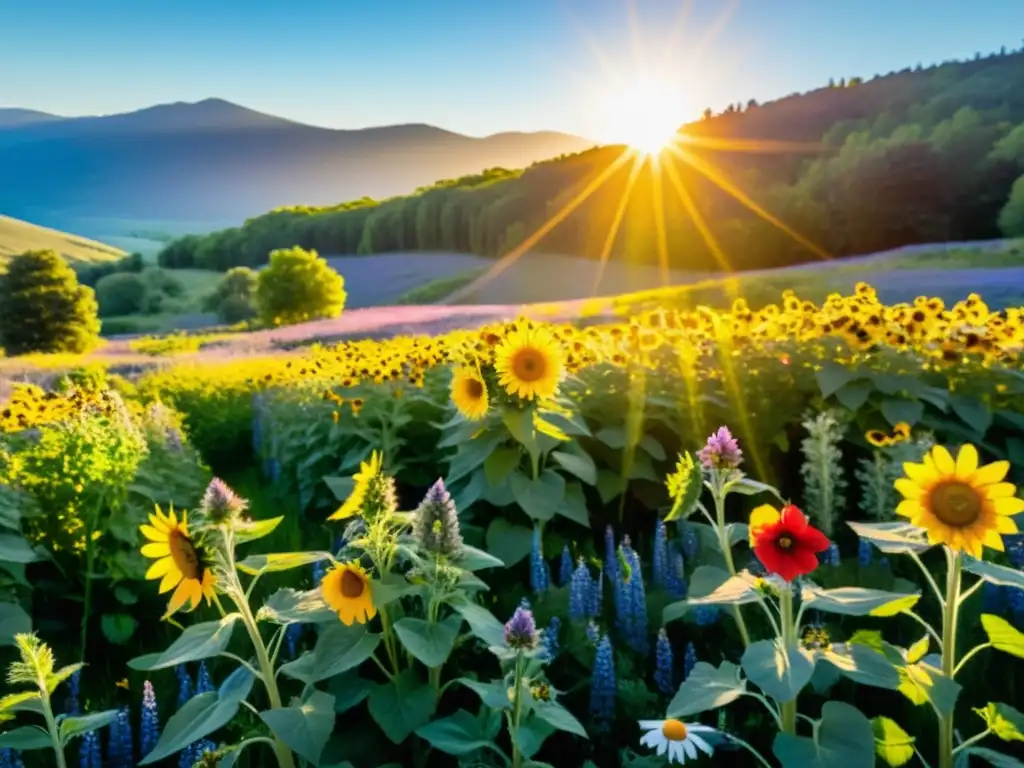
(675, 738)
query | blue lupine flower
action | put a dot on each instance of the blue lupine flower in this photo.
(689, 660)
(593, 633)
(565, 568)
(705, 615)
(10, 759)
(539, 578)
(549, 639)
(191, 754)
(184, 684)
(992, 599)
(691, 542)
(597, 595)
(865, 553)
(203, 682)
(611, 564)
(659, 558)
(623, 599)
(602, 684)
(676, 579)
(89, 751)
(1015, 604)
(72, 706)
(580, 588)
(149, 722)
(830, 556)
(638, 606)
(292, 635)
(663, 677)
(120, 748)
(319, 571)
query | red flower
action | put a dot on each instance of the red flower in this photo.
(785, 542)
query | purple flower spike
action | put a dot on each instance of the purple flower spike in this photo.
(721, 451)
(521, 630)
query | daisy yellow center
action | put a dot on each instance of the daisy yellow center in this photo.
(529, 364)
(351, 585)
(955, 503)
(184, 554)
(474, 388)
(673, 730)
(785, 542)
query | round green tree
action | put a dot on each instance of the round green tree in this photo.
(43, 308)
(298, 286)
(122, 293)
(234, 298)
(1011, 218)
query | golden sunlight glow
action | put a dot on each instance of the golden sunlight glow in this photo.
(645, 113)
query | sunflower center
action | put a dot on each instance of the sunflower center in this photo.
(351, 585)
(673, 730)
(474, 388)
(785, 542)
(956, 504)
(184, 555)
(529, 364)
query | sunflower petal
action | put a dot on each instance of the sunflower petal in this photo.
(992, 473)
(944, 463)
(160, 568)
(991, 539)
(966, 461)
(152, 533)
(908, 508)
(920, 473)
(1000, 490)
(156, 549)
(170, 580)
(180, 597)
(1005, 525)
(1011, 506)
(908, 488)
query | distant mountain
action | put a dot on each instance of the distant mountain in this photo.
(19, 236)
(214, 160)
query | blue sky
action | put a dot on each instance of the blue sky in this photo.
(474, 66)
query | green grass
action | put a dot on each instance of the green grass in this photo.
(1010, 255)
(437, 290)
(18, 236)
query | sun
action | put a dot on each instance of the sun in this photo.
(646, 113)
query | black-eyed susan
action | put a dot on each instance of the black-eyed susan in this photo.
(179, 563)
(878, 438)
(346, 589)
(958, 503)
(529, 362)
(353, 505)
(469, 393)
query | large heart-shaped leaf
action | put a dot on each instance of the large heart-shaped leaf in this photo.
(200, 641)
(540, 498)
(338, 649)
(858, 601)
(304, 728)
(707, 688)
(401, 706)
(779, 671)
(843, 737)
(459, 734)
(431, 643)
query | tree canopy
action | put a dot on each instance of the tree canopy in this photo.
(298, 286)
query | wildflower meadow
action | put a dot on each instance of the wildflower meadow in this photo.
(776, 537)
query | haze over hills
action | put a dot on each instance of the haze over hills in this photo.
(215, 161)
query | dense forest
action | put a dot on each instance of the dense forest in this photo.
(924, 154)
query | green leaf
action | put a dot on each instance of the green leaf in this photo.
(831, 376)
(202, 715)
(349, 689)
(922, 683)
(896, 410)
(892, 538)
(692, 485)
(1004, 721)
(654, 449)
(15, 549)
(304, 728)
(13, 621)
(852, 396)
(200, 641)
(338, 649)
(748, 487)
(25, 739)
(558, 716)
(863, 665)
(430, 643)
(844, 737)
(531, 735)
(473, 559)
(972, 412)
(857, 601)
(613, 437)
(735, 590)
(894, 745)
(24, 701)
(520, 425)
(280, 561)
(118, 628)
(707, 688)
(579, 464)
(125, 596)
(1003, 635)
(482, 623)
(575, 505)
(500, 464)
(401, 706)
(996, 574)
(990, 756)
(609, 484)
(289, 606)
(779, 671)
(493, 695)
(70, 727)
(341, 487)
(507, 542)
(459, 734)
(256, 529)
(540, 498)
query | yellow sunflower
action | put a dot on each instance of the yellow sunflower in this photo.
(354, 503)
(346, 589)
(178, 562)
(958, 503)
(529, 363)
(469, 393)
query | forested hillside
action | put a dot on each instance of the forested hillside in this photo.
(913, 156)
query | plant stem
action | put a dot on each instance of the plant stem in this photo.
(969, 655)
(517, 758)
(787, 709)
(389, 640)
(723, 540)
(51, 727)
(950, 610)
(750, 749)
(90, 564)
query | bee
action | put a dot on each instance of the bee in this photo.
(123, 684)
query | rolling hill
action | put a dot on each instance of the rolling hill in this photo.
(19, 236)
(217, 161)
(921, 155)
